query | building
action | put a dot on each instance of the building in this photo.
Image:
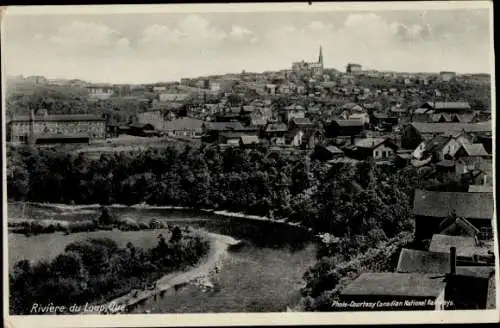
(470, 249)
(314, 68)
(455, 107)
(326, 153)
(100, 91)
(441, 147)
(184, 127)
(22, 127)
(143, 130)
(293, 112)
(426, 130)
(353, 69)
(376, 148)
(173, 97)
(432, 207)
(446, 76)
(339, 128)
(394, 291)
(275, 133)
(155, 118)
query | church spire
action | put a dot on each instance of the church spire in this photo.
(320, 60)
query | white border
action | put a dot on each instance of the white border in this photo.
(238, 319)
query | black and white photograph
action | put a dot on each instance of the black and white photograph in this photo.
(287, 162)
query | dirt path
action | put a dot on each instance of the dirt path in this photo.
(218, 249)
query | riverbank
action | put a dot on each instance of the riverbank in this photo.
(71, 209)
(218, 250)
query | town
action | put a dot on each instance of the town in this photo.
(429, 122)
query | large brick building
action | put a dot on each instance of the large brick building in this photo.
(91, 126)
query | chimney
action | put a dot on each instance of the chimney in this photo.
(453, 260)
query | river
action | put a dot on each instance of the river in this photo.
(264, 274)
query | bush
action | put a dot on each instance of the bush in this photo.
(82, 226)
(128, 224)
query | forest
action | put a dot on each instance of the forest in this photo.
(98, 270)
(362, 205)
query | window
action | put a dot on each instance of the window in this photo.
(376, 153)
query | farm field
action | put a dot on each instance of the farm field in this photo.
(48, 246)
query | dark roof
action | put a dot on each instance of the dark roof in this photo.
(437, 143)
(349, 123)
(451, 127)
(273, 127)
(474, 149)
(466, 246)
(184, 123)
(224, 126)
(142, 125)
(53, 118)
(371, 143)
(447, 226)
(396, 284)
(334, 150)
(442, 204)
(411, 260)
(449, 105)
(446, 163)
(302, 121)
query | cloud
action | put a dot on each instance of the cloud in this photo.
(192, 31)
(320, 26)
(239, 32)
(87, 35)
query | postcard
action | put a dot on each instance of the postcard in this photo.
(249, 164)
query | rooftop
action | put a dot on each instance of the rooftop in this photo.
(466, 246)
(451, 127)
(464, 204)
(184, 123)
(396, 284)
(411, 261)
(369, 142)
(58, 118)
(474, 149)
(345, 123)
(449, 105)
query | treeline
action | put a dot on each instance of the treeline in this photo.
(98, 270)
(344, 199)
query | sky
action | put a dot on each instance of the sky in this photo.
(143, 48)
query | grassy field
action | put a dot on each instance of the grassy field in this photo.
(48, 246)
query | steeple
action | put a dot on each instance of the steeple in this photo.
(320, 60)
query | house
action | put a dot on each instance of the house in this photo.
(470, 250)
(398, 111)
(100, 91)
(394, 291)
(257, 121)
(143, 130)
(440, 147)
(293, 111)
(339, 128)
(376, 148)
(275, 133)
(353, 69)
(353, 108)
(466, 284)
(301, 123)
(249, 141)
(184, 127)
(448, 106)
(155, 118)
(326, 153)
(478, 166)
(271, 89)
(212, 130)
(383, 121)
(230, 138)
(430, 208)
